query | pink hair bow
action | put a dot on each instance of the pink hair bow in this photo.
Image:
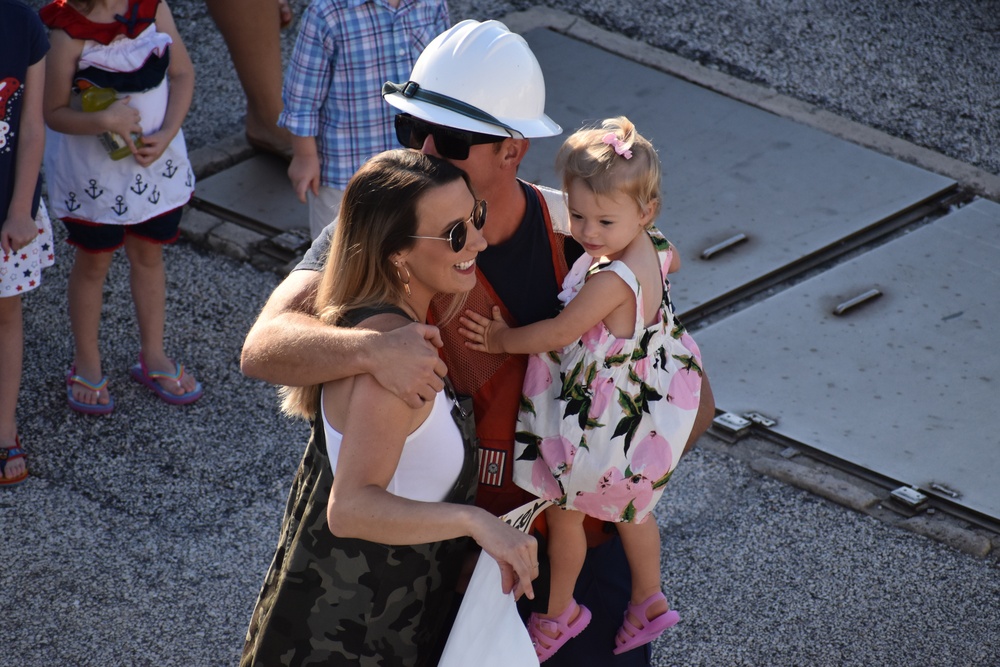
(611, 139)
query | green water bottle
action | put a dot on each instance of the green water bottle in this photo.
(99, 99)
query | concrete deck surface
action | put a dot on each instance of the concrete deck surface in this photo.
(141, 538)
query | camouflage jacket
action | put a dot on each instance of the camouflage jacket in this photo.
(333, 601)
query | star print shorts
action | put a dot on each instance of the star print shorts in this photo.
(21, 271)
(97, 237)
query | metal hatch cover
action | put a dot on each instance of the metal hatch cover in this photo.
(906, 384)
(729, 168)
(257, 194)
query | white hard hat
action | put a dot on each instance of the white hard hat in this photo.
(479, 77)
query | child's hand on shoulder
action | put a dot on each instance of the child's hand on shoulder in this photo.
(17, 232)
(481, 333)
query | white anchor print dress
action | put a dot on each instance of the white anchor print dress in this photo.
(604, 421)
(85, 184)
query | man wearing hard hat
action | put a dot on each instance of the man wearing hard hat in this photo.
(476, 97)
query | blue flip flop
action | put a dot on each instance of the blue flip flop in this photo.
(150, 379)
(88, 408)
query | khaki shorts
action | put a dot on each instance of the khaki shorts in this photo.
(323, 208)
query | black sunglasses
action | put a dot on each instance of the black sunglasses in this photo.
(458, 234)
(451, 144)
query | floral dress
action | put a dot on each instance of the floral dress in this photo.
(604, 421)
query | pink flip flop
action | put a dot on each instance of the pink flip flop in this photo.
(629, 636)
(151, 380)
(546, 646)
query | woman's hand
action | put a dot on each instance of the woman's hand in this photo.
(483, 334)
(515, 552)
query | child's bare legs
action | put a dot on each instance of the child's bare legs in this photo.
(12, 332)
(86, 294)
(641, 542)
(149, 294)
(567, 548)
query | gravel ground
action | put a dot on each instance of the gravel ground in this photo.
(924, 71)
(141, 538)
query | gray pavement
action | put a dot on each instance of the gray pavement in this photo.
(142, 538)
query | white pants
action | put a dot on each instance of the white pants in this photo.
(323, 208)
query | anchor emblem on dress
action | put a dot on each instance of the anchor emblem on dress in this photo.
(139, 187)
(93, 191)
(154, 196)
(171, 169)
(120, 206)
(72, 204)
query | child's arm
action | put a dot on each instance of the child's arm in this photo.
(61, 62)
(304, 93)
(181, 75)
(602, 294)
(19, 227)
(304, 170)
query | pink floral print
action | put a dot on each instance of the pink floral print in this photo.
(604, 421)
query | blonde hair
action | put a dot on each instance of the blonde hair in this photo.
(597, 157)
(378, 217)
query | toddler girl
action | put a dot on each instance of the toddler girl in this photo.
(612, 386)
(130, 47)
(25, 234)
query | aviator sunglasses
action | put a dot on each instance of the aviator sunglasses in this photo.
(458, 234)
(451, 144)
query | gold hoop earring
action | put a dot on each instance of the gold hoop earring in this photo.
(406, 283)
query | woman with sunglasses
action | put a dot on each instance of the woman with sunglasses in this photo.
(471, 70)
(370, 580)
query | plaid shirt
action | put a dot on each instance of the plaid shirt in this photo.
(346, 50)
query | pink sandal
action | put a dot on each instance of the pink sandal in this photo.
(546, 646)
(629, 636)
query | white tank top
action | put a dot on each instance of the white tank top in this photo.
(432, 455)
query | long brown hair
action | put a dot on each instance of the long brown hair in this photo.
(378, 217)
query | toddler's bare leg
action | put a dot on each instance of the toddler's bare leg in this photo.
(567, 548)
(641, 542)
